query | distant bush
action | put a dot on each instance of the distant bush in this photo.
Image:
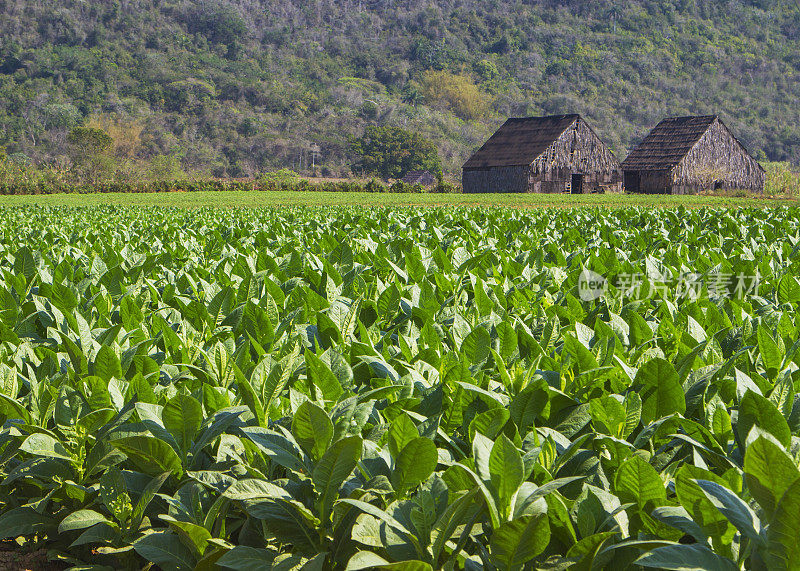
(279, 177)
(89, 140)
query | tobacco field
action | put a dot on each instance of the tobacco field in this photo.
(409, 389)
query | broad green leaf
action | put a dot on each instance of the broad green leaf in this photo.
(194, 536)
(507, 471)
(289, 521)
(686, 558)
(783, 547)
(662, 393)
(788, 289)
(528, 404)
(414, 465)
(24, 521)
(182, 417)
(489, 423)
(243, 558)
(608, 415)
(81, 519)
(166, 550)
(45, 445)
(756, 410)
(476, 345)
(251, 489)
(151, 455)
(368, 560)
(450, 521)
(312, 429)
(771, 353)
(333, 469)
(150, 490)
(733, 508)
(401, 432)
(636, 481)
(322, 378)
(698, 505)
(769, 472)
(516, 542)
(633, 413)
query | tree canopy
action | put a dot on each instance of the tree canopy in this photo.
(392, 152)
(236, 87)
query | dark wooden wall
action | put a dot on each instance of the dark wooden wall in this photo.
(498, 179)
(650, 182)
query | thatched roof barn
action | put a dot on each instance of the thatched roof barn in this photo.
(543, 154)
(424, 178)
(685, 155)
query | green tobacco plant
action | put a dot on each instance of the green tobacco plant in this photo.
(340, 389)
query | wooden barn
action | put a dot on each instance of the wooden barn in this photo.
(685, 155)
(560, 154)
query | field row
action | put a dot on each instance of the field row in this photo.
(352, 388)
(260, 199)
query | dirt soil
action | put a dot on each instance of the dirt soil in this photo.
(13, 558)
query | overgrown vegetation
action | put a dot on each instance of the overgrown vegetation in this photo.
(18, 176)
(235, 88)
(354, 388)
(782, 179)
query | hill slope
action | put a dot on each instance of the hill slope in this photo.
(234, 87)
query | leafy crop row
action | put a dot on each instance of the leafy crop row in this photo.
(354, 388)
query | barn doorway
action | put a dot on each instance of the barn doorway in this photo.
(633, 181)
(577, 184)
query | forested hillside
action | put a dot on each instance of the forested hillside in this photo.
(232, 88)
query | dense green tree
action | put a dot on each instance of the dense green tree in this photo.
(392, 152)
(89, 140)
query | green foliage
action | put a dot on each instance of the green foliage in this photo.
(457, 93)
(89, 141)
(782, 179)
(392, 152)
(356, 388)
(218, 21)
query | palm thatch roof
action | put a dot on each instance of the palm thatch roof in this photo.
(669, 141)
(520, 141)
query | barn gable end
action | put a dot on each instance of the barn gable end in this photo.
(685, 155)
(718, 161)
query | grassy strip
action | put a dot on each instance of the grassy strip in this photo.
(255, 199)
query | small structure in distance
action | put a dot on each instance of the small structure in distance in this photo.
(686, 155)
(556, 154)
(424, 178)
